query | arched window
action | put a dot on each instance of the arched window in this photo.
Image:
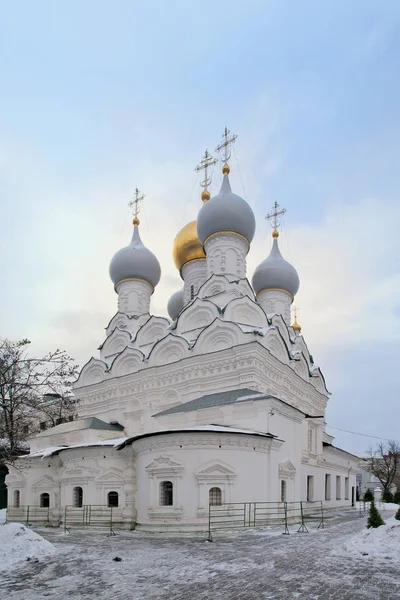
(112, 498)
(166, 493)
(283, 490)
(45, 500)
(17, 498)
(215, 496)
(78, 496)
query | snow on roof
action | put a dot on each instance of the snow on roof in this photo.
(51, 450)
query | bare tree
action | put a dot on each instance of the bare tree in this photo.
(30, 386)
(384, 462)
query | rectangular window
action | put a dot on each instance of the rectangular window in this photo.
(346, 488)
(327, 487)
(310, 488)
(42, 425)
(338, 485)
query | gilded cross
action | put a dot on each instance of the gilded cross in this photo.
(274, 214)
(206, 162)
(135, 205)
(228, 139)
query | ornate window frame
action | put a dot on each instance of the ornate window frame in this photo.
(164, 468)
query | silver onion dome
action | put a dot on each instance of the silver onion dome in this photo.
(135, 262)
(226, 212)
(175, 304)
(275, 273)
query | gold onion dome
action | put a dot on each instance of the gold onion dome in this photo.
(187, 246)
(296, 326)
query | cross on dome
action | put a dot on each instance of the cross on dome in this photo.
(295, 325)
(274, 214)
(206, 162)
(228, 139)
(135, 205)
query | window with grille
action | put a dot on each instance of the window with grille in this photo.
(166, 493)
(310, 488)
(191, 292)
(327, 487)
(17, 498)
(45, 500)
(215, 496)
(338, 486)
(283, 490)
(112, 499)
(78, 496)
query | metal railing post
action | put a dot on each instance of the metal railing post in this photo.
(286, 531)
(302, 528)
(209, 524)
(27, 515)
(322, 523)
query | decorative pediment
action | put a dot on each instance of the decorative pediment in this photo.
(287, 469)
(215, 470)
(44, 482)
(93, 372)
(164, 465)
(112, 475)
(300, 366)
(129, 361)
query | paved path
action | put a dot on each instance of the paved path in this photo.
(245, 566)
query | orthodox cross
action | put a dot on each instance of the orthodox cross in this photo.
(206, 162)
(228, 139)
(295, 309)
(274, 214)
(134, 204)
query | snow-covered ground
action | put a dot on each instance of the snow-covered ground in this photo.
(382, 542)
(18, 544)
(240, 565)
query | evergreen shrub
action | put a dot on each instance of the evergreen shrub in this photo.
(387, 496)
(368, 496)
(397, 515)
(396, 497)
(374, 518)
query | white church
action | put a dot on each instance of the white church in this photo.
(220, 403)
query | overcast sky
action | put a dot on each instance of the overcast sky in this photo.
(98, 97)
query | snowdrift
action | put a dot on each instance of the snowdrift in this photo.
(18, 543)
(383, 542)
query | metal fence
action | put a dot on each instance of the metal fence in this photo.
(236, 515)
(30, 515)
(91, 515)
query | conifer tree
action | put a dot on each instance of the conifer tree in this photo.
(374, 518)
(368, 496)
(397, 515)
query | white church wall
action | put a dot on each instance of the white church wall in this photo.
(194, 463)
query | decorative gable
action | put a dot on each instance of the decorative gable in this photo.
(287, 469)
(164, 465)
(215, 471)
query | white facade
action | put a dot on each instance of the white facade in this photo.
(224, 402)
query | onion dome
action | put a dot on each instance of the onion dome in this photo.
(226, 212)
(275, 273)
(135, 262)
(296, 326)
(187, 246)
(175, 304)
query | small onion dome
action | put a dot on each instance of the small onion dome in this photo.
(296, 326)
(226, 212)
(135, 262)
(187, 246)
(275, 273)
(175, 304)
